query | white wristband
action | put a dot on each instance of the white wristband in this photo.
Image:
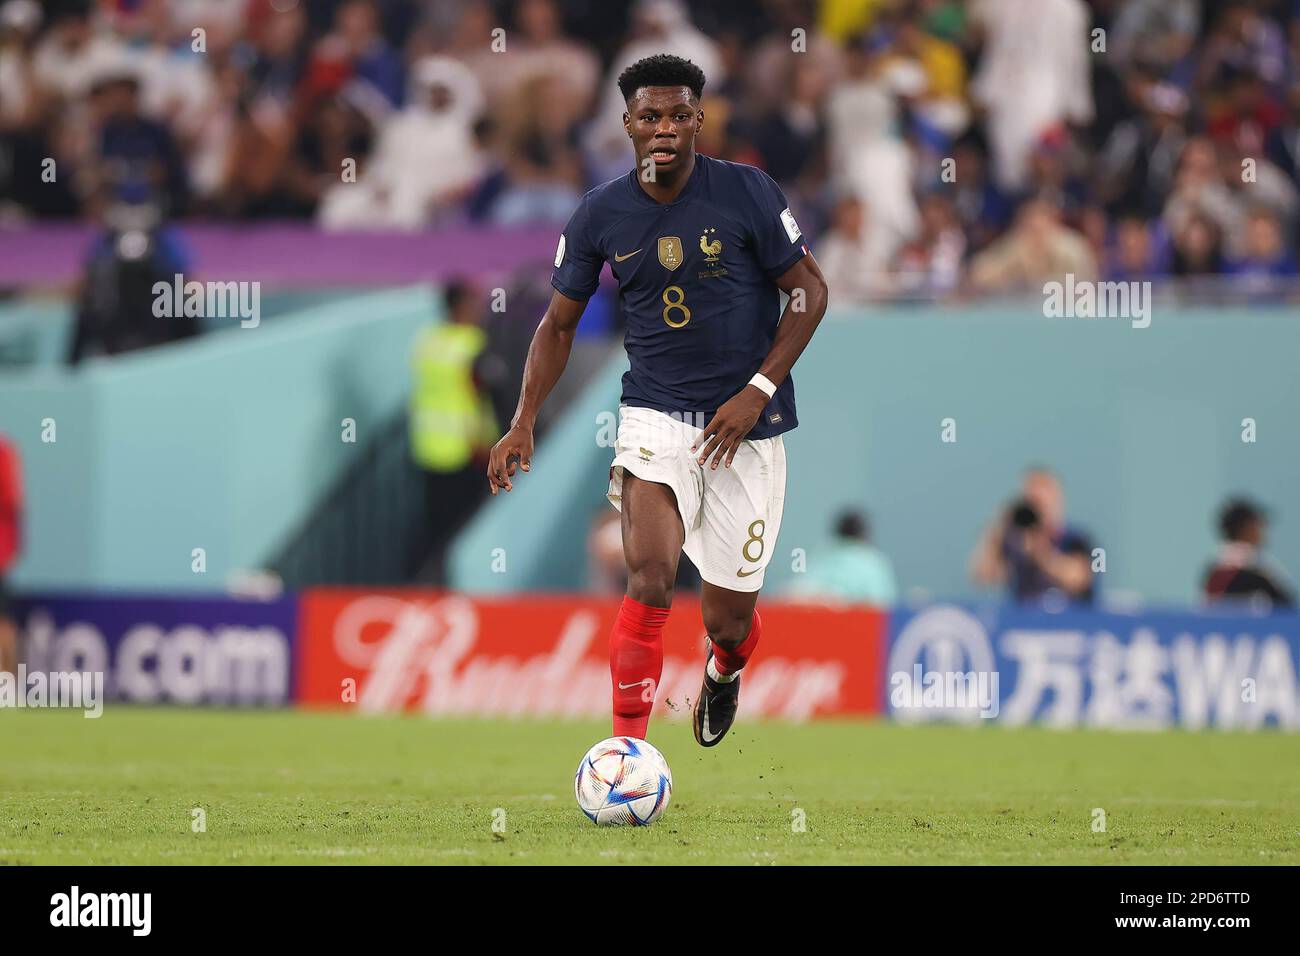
(764, 384)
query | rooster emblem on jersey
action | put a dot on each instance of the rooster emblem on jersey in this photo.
(712, 250)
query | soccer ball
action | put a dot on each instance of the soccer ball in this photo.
(623, 781)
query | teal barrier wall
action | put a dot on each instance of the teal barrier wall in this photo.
(534, 537)
(224, 443)
(39, 331)
(1143, 425)
(35, 332)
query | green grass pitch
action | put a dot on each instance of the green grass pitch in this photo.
(297, 787)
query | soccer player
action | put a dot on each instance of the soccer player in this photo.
(700, 248)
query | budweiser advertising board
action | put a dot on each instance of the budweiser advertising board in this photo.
(446, 653)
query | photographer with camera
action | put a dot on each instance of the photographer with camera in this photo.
(1031, 550)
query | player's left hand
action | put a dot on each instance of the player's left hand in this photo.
(729, 426)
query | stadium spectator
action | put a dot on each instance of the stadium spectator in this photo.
(1055, 174)
(1136, 253)
(931, 265)
(1265, 258)
(75, 53)
(938, 102)
(1242, 39)
(788, 133)
(1030, 549)
(136, 154)
(11, 514)
(1239, 571)
(761, 76)
(426, 160)
(851, 259)
(1283, 144)
(984, 210)
(334, 136)
(1038, 248)
(461, 32)
(451, 421)
(1137, 162)
(725, 135)
(1198, 248)
(541, 176)
(852, 570)
(443, 123)
(21, 104)
(544, 51)
(25, 107)
(356, 53)
(866, 155)
(1199, 190)
(1156, 34)
(1033, 75)
(1256, 183)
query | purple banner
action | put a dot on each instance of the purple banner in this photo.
(292, 254)
(193, 651)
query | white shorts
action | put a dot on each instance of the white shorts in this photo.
(731, 516)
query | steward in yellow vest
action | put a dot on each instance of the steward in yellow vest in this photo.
(451, 420)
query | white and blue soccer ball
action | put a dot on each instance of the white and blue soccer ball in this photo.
(623, 781)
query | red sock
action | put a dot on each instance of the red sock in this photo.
(730, 661)
(636, 660)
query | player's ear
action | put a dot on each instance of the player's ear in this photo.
(699, 120)
(627, 123)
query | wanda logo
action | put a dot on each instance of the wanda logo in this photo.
(454, 655)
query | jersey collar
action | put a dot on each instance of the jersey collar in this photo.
(692, 186)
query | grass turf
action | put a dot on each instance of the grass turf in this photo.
(297, 787)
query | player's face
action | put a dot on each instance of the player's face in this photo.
(663, 121)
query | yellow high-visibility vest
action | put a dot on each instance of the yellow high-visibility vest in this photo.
(449, 419)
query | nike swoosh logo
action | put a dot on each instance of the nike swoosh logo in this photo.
(618, 258)
(745, 574)
(636, 683)
(704, 725)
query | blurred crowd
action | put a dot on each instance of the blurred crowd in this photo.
(931, 147)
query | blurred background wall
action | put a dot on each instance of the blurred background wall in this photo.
(225, 443)
(1143, 425)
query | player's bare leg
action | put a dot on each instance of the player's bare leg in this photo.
(733, 626)
(652, 540)
(652, 545)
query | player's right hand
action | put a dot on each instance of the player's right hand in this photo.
(514, 450)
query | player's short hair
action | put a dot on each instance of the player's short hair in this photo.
(853, 525)
(1236, 515)
(662, 69)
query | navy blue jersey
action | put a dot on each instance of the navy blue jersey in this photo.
(696, 278)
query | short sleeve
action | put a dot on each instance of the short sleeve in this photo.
(577, 260)
(778, 242)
